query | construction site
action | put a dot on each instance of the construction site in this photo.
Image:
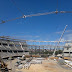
(29, 42)
(21, 56)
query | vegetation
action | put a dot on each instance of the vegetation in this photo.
(46, 52)
(58, 52)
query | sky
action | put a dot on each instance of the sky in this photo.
(44, 28)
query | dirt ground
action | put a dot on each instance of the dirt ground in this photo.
(46, 66)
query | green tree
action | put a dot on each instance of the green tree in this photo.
(46, 52)
(60, 51)
(56, 53)
(50, 52)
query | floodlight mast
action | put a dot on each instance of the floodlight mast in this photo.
(60, 40)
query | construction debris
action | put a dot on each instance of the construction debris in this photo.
(20, 66)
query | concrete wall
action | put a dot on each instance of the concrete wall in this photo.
(7, 54)
(15, 50)
(68, 50)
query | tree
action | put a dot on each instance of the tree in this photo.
(50, 52)
(56, 53)
(60, 51)
(46, 52)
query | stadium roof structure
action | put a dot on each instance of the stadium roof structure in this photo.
(8, 38)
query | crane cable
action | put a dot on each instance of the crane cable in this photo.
(17, 7)
(38, 14)
(57, 7)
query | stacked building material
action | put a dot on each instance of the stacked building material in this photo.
(36, 62)
(68, 63)
(27, 65)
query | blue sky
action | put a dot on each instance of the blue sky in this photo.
(47, 27)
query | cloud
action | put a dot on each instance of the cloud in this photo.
(37, 36)
(62, 39)
(68, 36)
(67, 31)
(25, 36)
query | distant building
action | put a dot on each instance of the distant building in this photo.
(68, 50)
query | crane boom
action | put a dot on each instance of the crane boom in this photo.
(59, 40)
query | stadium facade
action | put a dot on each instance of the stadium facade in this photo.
(10, 47)
(68, 50)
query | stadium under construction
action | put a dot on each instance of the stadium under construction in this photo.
(20, 55)
(26, 55)
(15, 47)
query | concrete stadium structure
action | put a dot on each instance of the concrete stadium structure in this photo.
(15, 47)
(68, 50)
(12, 48)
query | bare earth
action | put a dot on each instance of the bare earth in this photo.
(46, 66)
